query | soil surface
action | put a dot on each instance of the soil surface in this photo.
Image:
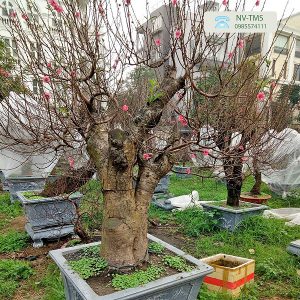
(226, 263)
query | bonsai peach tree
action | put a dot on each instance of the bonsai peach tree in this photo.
(80, 56)
(242, 125)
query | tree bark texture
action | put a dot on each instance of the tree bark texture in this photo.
(256, 189)
(233, 172)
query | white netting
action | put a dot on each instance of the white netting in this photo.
(284, 174)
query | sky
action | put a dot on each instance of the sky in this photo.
(270, 5)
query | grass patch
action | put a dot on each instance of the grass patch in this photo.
(121, 282)
(195, 221)
(13, 241)
(32, 195)
(12, 272)
(8, 211)
(264, 240)
(52, 284)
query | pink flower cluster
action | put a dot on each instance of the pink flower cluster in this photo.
(4, 73)
(147, 156)
(56, 6)
(125, 107)
(182, 120)
(261, 96)
(71, 162)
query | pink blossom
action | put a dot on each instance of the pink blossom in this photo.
(244, 159)
(59, 9)
(241, 148)
(188, 171)
(230, 55)
(25, 17)
(157, 42)
(46, 79)
(71, 162)
(205, 152)
(193, 155)
(225, 2)
(52, 3)
(13, 14)
(73, 74)
(147, 156)
(174, 2)
(257, 2)
(59, 71)
(261, 96)
(4, 73)
(101, 10)
(182, 120)
(125, 107)
(241, 44)
(77, 14)
(127, 2)
(49, 65)
(178, 33)
(47, 96)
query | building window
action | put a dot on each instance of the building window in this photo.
(285, 70)
(297, 72)
(297, 50)
(157, 23)
(281, 44)
(37, 86)
(33, 50)
(273, 67)
(7, 8)
(253, 45)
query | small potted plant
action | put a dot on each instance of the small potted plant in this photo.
(231, 273)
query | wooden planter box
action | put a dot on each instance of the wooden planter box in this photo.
(226, 278)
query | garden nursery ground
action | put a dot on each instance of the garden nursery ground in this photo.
(28, 273)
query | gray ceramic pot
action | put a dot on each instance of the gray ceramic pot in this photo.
(182, 286)
(24, 183)
(231, 218)
(49, 218)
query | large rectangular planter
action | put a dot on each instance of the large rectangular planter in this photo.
(49, 218)
(182, 172)
(163, 185)
(24, 183)
(229, 279)
(294, 248)
(181, 286)
(231, 218)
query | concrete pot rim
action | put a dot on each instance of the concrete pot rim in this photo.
(295, 243)
(246, 261)
(237, 211)
(25, 177)
(163, 283)
(24, 200)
